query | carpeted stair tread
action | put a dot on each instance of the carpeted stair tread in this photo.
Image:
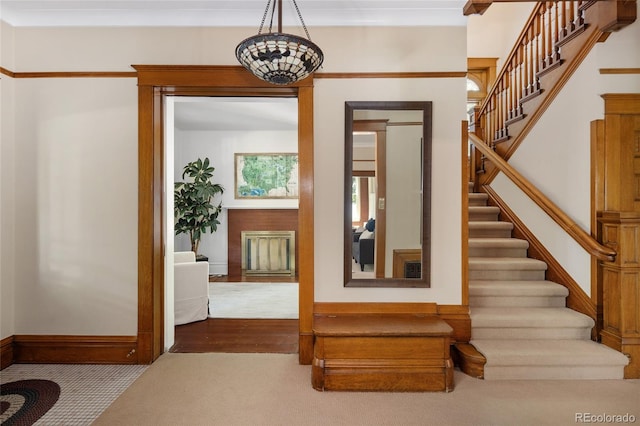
(506, 263)
(483, 213)
(490, 229)
(497, 247)
(490, 224)
(516, 288)
(477, 199)
(517, 317)
(568, 353)
(498, 242)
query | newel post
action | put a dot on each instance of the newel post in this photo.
(617, 178)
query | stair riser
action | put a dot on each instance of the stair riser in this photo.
(502, 275)
(506, 333)
(555, 372)
(518, 301)
(482, 216)
(496, 252)
(489, 233)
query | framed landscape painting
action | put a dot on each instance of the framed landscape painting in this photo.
(266, 175)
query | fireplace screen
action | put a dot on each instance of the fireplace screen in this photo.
(268, 252)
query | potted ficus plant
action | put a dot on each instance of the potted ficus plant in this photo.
(194, 209)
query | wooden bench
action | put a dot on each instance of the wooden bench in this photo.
(382, 353)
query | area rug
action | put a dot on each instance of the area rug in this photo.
(253, 300)
(23, 402)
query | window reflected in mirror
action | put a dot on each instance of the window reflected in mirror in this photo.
(387, 194)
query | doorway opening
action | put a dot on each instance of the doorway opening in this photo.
(154, 83)
(253, 305)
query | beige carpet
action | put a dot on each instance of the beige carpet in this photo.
(271, 389)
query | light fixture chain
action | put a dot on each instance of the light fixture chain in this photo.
(301, 20)
(264, 17)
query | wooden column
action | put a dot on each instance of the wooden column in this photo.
(621, 287)
(619, 226)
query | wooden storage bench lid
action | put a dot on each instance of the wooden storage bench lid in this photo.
(380, 325)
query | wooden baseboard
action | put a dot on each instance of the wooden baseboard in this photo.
(6, 352)
(57, 349)
(577, 300)
(457, 316)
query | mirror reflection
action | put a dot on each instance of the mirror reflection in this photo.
(387, 194)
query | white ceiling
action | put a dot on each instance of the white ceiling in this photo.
(219, 113)
(229, 12)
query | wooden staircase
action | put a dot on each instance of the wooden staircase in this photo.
(520, 325)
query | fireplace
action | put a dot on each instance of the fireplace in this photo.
(268, 252)
(253, 220)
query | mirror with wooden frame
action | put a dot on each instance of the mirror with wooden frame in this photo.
(387, 194)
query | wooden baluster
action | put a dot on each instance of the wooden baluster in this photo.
(556, 28)
(549, 37)
(572, 17)
(580, 15)
(487, 122)
(527, 61)
(563, 23)
(543, 41)
(501, 107)
(538, 39)
(494, 100)
(556, 23)
(512, 85)
(518, 82)
(506, 106)
(519, 75)
(494, 115)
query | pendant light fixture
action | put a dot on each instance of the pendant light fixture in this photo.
(279, 58)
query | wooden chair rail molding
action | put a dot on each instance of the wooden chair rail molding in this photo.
(586, 241)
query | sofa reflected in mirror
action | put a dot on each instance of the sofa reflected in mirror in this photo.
(364, 244)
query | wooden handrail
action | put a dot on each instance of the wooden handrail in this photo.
(586, 241)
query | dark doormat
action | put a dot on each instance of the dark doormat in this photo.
(23, 402)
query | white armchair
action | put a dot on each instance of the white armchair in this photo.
(191, 288)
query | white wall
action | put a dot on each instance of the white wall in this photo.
(76, 144)
(448, 96)
(76, 206)
(555, 156)
(220, 147)
(493, 34)
(7, 186)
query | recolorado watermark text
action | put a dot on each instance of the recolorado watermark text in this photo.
(605, 418)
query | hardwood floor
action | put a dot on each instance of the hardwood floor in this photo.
(238, 335)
